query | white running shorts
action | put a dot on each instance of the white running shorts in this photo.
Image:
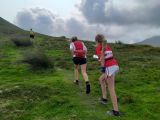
(112, 70)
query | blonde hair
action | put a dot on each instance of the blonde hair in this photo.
(101, 40)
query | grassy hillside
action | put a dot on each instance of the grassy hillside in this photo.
(49, 94)
(7, 28)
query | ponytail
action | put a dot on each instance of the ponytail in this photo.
(104, 43)
(101, 40)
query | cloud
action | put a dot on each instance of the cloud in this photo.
(104, 12)
(129, 22)
(41, 20)
(24, 19)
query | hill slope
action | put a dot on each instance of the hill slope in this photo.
(51, 95)
(153, 41)
(8, 28)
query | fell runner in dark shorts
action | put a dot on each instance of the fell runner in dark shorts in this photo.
(79, 50)
(79, 61)
(31, 35)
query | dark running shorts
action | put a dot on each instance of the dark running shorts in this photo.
(79, 61)
(31, 36)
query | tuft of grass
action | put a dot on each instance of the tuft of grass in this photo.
(21, 41)
(37, 59)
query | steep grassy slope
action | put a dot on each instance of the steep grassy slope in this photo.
(7, 28)
(51, 95)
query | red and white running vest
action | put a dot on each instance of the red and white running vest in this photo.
(79, 49)
(108, 55)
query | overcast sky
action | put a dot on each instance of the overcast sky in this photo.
(126, 20)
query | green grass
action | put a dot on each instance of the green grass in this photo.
(51, 95)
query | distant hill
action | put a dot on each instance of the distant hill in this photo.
(8, 28)
(153, 41)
